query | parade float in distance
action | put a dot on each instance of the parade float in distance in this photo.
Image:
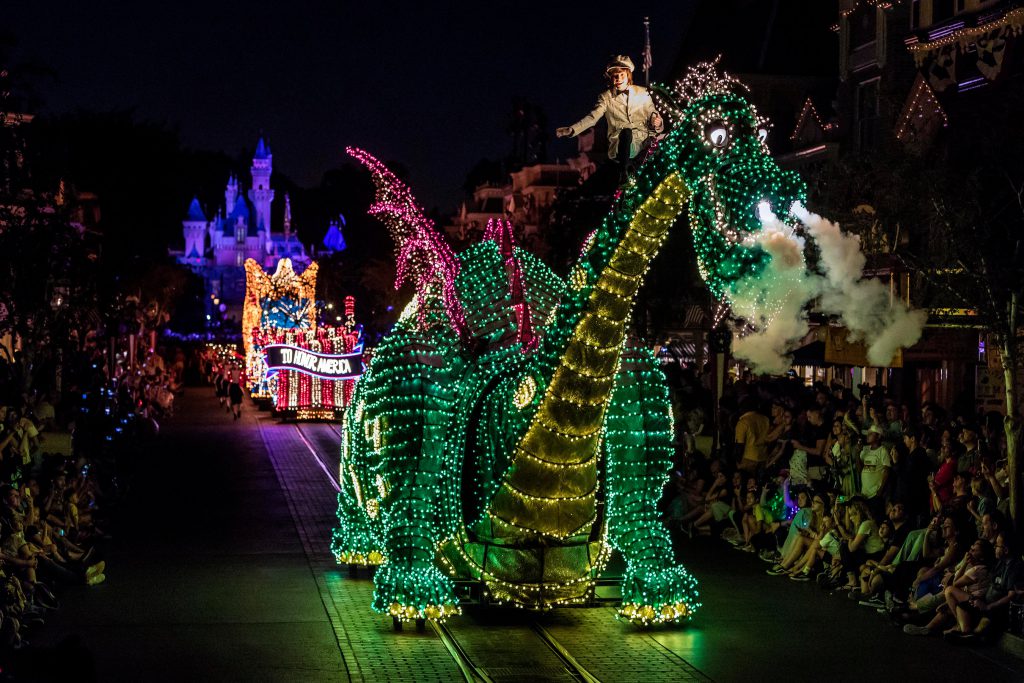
(509, 433)
(302, 370)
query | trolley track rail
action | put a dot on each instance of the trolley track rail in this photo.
(493, 672)
(527, 638)
(331, 478)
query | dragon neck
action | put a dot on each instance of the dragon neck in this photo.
(551, 486)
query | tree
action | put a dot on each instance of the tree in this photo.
(953, 215)
(47, 266)
(47, 278)
(981, 229)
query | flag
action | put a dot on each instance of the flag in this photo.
(647, 60)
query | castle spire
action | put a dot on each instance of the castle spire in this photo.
(262, 149)
(231, 192)
(194, 228)
(287, 217)
(260, 194)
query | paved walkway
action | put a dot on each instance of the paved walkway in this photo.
(207, 579)
(221, 571)
(759, 627)
(373, 652)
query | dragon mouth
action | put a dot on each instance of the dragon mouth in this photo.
(716, 213)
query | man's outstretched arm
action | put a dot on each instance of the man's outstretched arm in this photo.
(587, 122)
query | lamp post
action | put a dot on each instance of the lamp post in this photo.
(720, 345)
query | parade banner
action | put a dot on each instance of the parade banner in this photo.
(322, 365)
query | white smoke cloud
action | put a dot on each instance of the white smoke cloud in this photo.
(863, 305)
(774, 302)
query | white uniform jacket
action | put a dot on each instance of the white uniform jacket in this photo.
(629, 108)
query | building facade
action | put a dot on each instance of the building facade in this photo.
(526, 199)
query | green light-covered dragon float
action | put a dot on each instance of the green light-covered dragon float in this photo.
(507, 431)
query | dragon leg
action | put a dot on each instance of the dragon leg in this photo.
(356, 539)
(638, 449)
(413, 425)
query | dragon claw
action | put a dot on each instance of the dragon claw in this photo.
(655, 596)
(370, 559)
(409, 594)
(429, 612)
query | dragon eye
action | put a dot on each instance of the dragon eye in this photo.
(762, 134)
(718, 134)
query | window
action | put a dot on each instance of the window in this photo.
(862, 27)
(867, 114)
(915, 13)
(943, 9)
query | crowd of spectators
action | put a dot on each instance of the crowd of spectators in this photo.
(65, 459)
(905, 513)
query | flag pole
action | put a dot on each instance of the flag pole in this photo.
(647, 52)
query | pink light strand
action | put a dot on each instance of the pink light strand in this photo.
(423, 257)
(500, 232)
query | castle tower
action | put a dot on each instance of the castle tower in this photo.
(231, 192)
(261, 195)
(194, 227)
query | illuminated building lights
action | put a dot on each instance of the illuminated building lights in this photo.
(809, 110)
(922, 105)
(1012, 22)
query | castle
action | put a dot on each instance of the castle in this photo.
(216, 248)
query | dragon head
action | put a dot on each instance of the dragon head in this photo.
(718, 147)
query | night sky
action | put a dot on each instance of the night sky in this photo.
(428, 84)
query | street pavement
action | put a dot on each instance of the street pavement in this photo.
(220, 571)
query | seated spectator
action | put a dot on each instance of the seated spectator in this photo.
(819, 545)
(53, 567)
(808, 447)
(986, 616)
(686, 493)
(751, 436)
(875, 463)
(957, 507)
(878, 574)
(941, 484)
(911, 471)
(982, 501)
(719, 502)
(779, 439)
(752, 517)
(802, 530)
(969, 461)
(893, 424)
(999, 485)
(991, 524)
(52, 507)
(970, 580)
(927, 586)
(859, 541)
(773, 511)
